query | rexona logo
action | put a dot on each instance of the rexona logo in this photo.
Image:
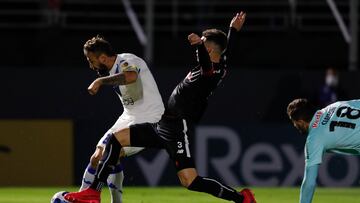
(260, 164)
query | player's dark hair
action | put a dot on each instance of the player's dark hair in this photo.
(98, 45)
(301, 109)
(216, 36)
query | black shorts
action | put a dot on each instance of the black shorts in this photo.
(171, 134)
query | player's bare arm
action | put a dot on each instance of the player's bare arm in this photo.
(238, 20)
(124, 78)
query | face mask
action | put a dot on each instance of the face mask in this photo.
(331, 80)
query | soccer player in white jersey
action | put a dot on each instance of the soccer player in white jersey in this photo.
(134, 84)
(335, 128)
(184, 110)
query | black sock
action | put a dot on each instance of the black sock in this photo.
(107, 163)
(215, 188)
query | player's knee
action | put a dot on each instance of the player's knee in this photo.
(187, 176)
(123, 136)
(94, 161)
(186, 183)
(96, 157)
(186, 180)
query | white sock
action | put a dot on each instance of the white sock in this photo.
(88, 177)
(115, 184)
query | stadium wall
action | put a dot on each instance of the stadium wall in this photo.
(265, 49)
(36, 152)
(244, 138)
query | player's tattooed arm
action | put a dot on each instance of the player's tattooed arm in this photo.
(119, 79)
(124, 78)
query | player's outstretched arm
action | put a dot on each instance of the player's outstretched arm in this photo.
(124, 78)
(309, 183)
(238, 21)
(236, 24)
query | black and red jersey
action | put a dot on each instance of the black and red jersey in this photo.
(190, 97)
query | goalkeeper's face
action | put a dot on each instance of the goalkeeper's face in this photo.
(302, 126)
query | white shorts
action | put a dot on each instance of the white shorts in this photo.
(125, 121)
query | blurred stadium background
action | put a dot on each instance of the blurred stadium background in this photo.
(245, 137)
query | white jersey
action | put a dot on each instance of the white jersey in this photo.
(140, 99)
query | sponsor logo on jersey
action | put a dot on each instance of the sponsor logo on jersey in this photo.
(317, 119)
(180, 151)
(328, 116)
(128, 101)
(124, 65)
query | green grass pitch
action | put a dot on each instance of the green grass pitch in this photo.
(181, 195)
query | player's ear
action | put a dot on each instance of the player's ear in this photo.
(102, 58)
(304, 123)
(209, 48)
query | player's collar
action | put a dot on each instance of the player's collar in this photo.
(114, 70)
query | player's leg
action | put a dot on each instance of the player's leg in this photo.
(106, 166)
(189, 178)
(89, 173)
(116, 177)
(115, 183)
(192, 181)
(143, 135)
(110, 157)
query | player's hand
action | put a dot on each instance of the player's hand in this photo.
(238, 20)
(94, 86)
(194, 39)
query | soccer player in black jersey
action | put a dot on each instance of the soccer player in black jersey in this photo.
(185, 108)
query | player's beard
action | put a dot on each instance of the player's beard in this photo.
(303, 131)
(102, 70)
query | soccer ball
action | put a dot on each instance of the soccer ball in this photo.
(59, 197)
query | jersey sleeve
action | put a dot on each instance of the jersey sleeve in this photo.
(203, 58)
(314, 151)
(129, 65)
(308, 184)
(230, 41)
